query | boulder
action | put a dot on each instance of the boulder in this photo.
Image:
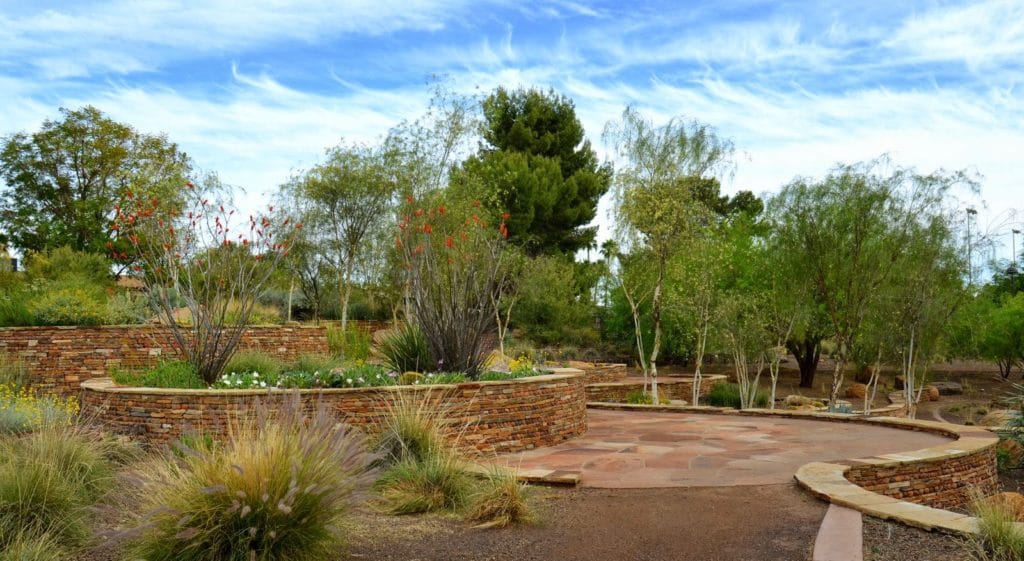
(801, 402)
(930, 393)
(856, 391)
(1013, 502)
(949, 388)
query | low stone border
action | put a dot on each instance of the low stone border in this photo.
(673, 387)
(486, 417)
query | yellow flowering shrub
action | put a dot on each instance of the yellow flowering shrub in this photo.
(24, 409)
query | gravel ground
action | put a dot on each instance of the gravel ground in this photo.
(888, 541)
(762, 523)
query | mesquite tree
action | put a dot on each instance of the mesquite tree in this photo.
(202, 256)
(848, 233)
(456, 266)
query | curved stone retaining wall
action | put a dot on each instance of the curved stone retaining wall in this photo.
(673, 387)
(59, 359)
(484, 417)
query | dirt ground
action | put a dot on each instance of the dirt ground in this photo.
(759, 523)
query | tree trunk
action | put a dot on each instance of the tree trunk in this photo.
(656, 316)
(807, 351)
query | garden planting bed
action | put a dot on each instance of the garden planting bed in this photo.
(673, 388)
(59, 359)
(485, 417)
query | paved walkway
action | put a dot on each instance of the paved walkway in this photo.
(629, 449)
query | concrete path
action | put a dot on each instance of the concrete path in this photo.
(841, 536)
(631, 449)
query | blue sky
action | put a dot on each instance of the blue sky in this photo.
(255, 90)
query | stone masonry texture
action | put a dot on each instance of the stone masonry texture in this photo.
(59, 359)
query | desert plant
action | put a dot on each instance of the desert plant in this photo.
(199, 254)
(307, 362)
(22, 409)
(275, 490)
(351, 343)
(247, 362)
(405, 349)
(167, 374)
(1000, 537)
(438, 482)
(728, 395)
(68, 306)
(500, 500)
(27, 547)
(640, 397)
(47, 480)
(411, 429)
(457, 266)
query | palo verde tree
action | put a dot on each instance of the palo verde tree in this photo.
(343, 201)
(846, 234)
(535, 164)
(62, 182)
(662, 167)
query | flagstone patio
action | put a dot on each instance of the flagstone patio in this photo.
(627, 449)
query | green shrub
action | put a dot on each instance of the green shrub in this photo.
(168, 374)
(22, 410)
(68, 306)
(48, 479)
(352, 344)
(276, 490)
(126, 309)
(499, 500)
(246, 362)
(438, 482)
(27, 547)
(728, 395)
(14, 300)
(405, 349)
(65, 263)
(314, 363)
(641, 397)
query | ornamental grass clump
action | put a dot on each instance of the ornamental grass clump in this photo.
(1000, 537)
(277, 489)
(26, 547)
(500, 500)
(48, 480)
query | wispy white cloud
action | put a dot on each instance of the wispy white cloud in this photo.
(978, 34)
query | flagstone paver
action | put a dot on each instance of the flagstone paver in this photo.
(626, 449)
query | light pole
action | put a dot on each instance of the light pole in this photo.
(1013, 245)
(970, 267)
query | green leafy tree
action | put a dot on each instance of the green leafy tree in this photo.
(343, 202)
(62, 183)
(846, 234)
(663, 167)
(536, 165)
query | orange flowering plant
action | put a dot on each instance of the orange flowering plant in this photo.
(203, 257)
(456, 264)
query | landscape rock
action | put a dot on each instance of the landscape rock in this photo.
(856, 391)
(949, 388)
(930, 393)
